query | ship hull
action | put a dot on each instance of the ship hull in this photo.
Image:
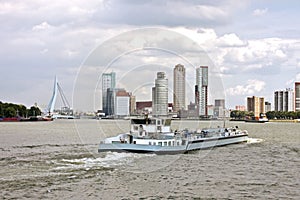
(193, 145)
(216, 142)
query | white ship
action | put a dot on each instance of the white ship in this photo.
(155, 136)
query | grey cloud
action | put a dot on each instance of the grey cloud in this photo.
(166, 12)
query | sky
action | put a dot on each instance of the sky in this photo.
(251, 47)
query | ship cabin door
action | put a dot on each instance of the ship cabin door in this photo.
(130, 139)
(159, 125)
(142, 132)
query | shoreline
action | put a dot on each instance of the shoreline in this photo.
(285, 120)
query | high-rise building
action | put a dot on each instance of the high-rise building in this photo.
(219, 108)
(267, 106)
(256, 105)
(284, 100)
(108, 81)
(122, 103)
(118, 102)
(297, 96)
(110, 101)
(202, 87)
(160, 95)
(179, 88)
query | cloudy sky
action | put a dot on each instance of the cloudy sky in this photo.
(251, 47)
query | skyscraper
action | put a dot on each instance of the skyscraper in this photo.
(108, 82)
(179, 88)
(160, 95)
(256, 105)
(297, 96)
(118, 102)
(284, 100)
(202, 87)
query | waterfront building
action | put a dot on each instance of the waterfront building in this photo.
(143, 107)
(191, 112)
(210, 110)
(108, 81)
(267, 106)
(132, 106)
(284, 100)
(201, 90)
(179, 88)
(110, 102)
(118, 102)
(160, 95)
(122, 103)
(220, 103)
(297, 96)
(240, 108)
(256, 105)
(219, 108)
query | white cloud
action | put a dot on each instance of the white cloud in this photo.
(230, 53)
(42, 26)
(205, 37)
(260, 12)
(230, 40)
(258, 54)
(197, 11)
(10, 7)
(250, 88)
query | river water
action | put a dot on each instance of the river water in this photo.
(59, 160)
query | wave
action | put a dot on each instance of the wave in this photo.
(254, 140)
(109, 160)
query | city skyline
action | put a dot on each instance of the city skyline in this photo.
(250, 44)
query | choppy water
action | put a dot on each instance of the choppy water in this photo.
(59, 160)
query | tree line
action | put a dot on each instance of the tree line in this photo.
(17, 110)
(241, 115)
(283, 115)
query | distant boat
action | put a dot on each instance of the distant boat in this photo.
(36, 118)
(10, 119)
(60, 116)
(257, 120)
(261, 119)
(155, 136)
(28, 119)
